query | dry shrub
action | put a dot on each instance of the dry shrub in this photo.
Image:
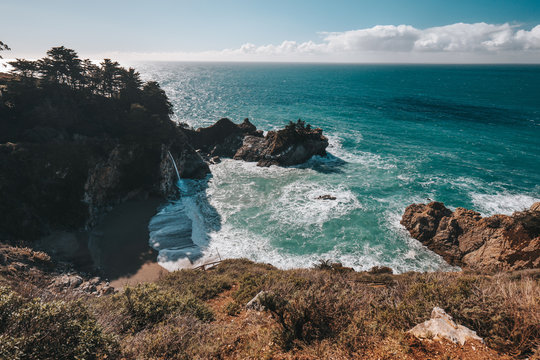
(32, 329)
(180, 338)
(203, 285)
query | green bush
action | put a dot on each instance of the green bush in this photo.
(148, 304)
(32, 329)
(233, 308)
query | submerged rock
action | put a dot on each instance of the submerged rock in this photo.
(326, 197)
(465, 238)
(441, 326)
(293, 145)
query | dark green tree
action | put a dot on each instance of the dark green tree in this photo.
(24, 68)
(155, 100)
(62, 66)
(3, 47)
(110, 77)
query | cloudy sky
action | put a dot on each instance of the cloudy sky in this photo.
(457, 31)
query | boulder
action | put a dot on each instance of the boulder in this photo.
(256, 303)
(293, 145)
(441, 326)
(223, 138)
(326, 197)
(463, 237)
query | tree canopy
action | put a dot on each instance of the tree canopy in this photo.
(64, 92)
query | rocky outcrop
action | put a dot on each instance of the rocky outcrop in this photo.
(293, 145)
(223, 138)
(441, 326)
(68, 185)
(463, 237)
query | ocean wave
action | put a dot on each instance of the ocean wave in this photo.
(299, 203)
(501, 203)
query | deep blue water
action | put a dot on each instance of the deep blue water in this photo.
(464, 135)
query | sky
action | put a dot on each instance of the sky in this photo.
(423, 31)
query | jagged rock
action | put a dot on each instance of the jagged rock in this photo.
(223, 138)
(255, 303)
(465, 238)
(326, 197)
(441, 326)
(290, 146)
(67, 281)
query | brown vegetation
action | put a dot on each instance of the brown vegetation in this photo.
(325, 312)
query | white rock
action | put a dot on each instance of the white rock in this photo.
(441, 326)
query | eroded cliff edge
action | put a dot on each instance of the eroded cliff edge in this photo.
(465, 238)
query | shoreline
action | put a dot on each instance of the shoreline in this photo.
(117, 248)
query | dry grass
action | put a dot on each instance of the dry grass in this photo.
(329, 312)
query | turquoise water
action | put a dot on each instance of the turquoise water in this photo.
(464, 135)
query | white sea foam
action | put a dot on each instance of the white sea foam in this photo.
(502, 203)
(299, 203)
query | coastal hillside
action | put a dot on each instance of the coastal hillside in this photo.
(243, 310)
(81, 141)
(78, 138)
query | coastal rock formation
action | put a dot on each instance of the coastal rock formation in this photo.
(68, 185)
(441, 326)
(223, 138)
(465, 238)
(293, 145)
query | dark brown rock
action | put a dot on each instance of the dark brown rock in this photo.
(326, 197)
(290, 146)
(223, 138)
(465, 238)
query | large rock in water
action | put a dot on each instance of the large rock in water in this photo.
(223, 138)
(290, 146)
(465, 238)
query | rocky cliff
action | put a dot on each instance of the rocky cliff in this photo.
(465, 238)
(69, 184)
(293, 145)
(224, 138)
(290, 146)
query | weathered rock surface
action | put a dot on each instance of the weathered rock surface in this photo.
(256, 304)
(67, 185)
(223, 138)
(465, 238)
(326, 197)
(441, 326)
(290, 146)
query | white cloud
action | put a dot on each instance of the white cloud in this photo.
(460, 42)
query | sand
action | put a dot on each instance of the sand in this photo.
(117, 249)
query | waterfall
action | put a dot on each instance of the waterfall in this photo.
(174, 163)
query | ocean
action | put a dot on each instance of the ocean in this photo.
(468, 136)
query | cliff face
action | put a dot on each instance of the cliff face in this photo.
(69, 184)
(465, 238)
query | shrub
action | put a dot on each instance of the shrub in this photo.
(233, 308)
(376, 270)
(32, 329)
(181, 338)
(147, 304)
(202, 284)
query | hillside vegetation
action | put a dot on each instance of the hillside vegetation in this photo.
(325, 312)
